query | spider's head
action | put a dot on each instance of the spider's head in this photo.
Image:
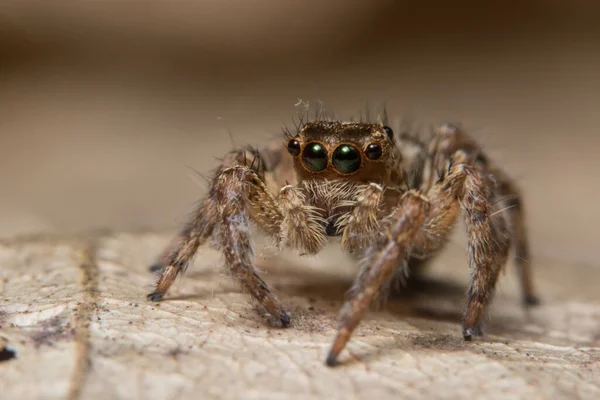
(346, 150)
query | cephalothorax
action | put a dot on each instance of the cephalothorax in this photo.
(392, 199)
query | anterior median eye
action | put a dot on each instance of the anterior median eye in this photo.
(346, 159)
(315, 156)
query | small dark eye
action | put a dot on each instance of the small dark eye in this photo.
(294, 147)
(346, 159)
(315, 156)
(374, 151)
(389, 132)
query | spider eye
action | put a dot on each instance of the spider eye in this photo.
(294, 147)
(374, 151)
(346, 159)
(315, 157)
(389, 132)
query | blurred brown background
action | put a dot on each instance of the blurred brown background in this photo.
(105, 105)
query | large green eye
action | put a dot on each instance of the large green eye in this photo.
(315, 156)
(346, 159)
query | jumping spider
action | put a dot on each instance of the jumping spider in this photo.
(393, 200)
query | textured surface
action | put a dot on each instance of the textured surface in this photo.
(73, 312)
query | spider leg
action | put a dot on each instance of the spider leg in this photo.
(203, 220)
(190, 229)
(239, 195)
(380, 263)
(230, 199)
(512, 206)
(488, 240)
(231, 207)
(487, 233)
(422, 225)
(479, 186)
(361, 226)
(176, 257)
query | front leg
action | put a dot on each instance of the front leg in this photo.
(203, 220)
(232, 193)
(422, 225)
(201, 226)
(379, 265)
(180, 252)
(237, 197)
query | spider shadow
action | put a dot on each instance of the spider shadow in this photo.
(416, 298)
(424, 299)
(329, 290)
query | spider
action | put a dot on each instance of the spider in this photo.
(392, 200)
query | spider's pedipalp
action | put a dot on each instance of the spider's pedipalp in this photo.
(302, 226)
(360, 225)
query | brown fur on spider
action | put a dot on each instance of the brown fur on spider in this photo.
(390, 197)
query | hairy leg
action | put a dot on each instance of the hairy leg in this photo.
(272, 166)
(488, 241)
(229, 208)
(231, 191)
(489, 237)
(423, 225)
(202, 222)
(417, 224)
(176, 257)
(184, 234)
(361, 226)
(239, 196)
(379, 265)
(450, 139)
(510, 202)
